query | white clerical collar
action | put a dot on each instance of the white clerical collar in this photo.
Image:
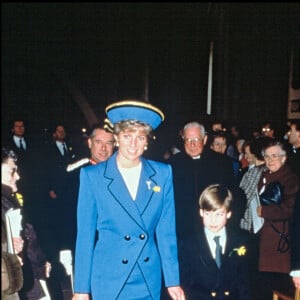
(196, 157)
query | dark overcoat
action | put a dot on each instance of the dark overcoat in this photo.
(191, 177)
(295, 235)
(277, 218)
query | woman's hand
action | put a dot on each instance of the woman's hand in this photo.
(48, 269)
(176, 293)
(18, 244)
(258, 210)
(81, 296)
(20, 260)
(297, 282)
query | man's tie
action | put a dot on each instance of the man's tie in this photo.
(65, 151)
(218, 251)
(21, 145)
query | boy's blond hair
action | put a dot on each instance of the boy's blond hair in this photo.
(214, 197)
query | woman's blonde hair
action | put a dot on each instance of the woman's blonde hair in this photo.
(131, 126)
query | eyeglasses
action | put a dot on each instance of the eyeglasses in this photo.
(272, 156)
(265, 129)
(193, 140)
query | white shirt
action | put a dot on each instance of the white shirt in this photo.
(60, 146)
(131, 177)
(17, 141)
(212, 244)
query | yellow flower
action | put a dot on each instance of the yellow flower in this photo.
(20, 198)
(240, 251)
(156, 189)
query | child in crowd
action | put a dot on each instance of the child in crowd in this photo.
(213, 262)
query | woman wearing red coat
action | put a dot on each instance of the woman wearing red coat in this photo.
(274, 247)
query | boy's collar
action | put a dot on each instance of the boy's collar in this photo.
(210, 234)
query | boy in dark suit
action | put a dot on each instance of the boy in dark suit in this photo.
(212, 262)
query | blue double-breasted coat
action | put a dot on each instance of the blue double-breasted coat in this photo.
(133, 236)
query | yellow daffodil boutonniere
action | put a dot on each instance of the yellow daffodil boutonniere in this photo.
(20, 198)
(156, 189)
(240, 251)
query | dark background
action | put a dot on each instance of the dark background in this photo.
(58, 58)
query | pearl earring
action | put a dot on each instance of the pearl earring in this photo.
(117, 144)
(145, 148)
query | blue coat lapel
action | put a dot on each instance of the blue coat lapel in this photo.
(145, 190)
(120, 193)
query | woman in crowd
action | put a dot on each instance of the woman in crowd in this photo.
(274, 247)
(250, 221)
(256, 163)
(34, 262)
(11, 263)
(129, 201)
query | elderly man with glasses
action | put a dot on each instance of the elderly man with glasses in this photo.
(193, 170)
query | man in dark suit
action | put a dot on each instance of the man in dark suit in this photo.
(293, 160)
(57, 202)
(17, 141)
(295, 243)
(213, 261)
(193, 170)
(61, 188)
(26, 154)
(293, 136)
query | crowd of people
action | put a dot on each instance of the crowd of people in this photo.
(142, 227)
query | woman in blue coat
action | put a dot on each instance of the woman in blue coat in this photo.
(129, 201)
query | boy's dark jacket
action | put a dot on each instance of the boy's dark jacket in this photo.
(200, 276)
